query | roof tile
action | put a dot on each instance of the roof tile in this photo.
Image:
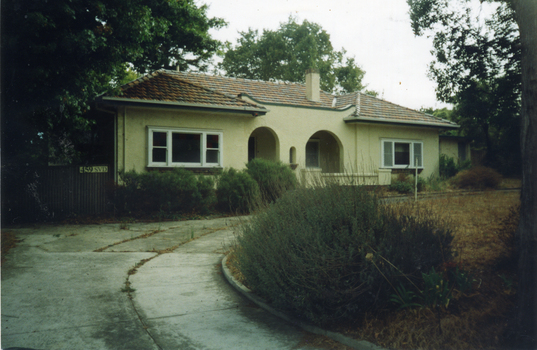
(198, 88)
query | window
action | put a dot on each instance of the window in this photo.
(184, 147)
(312, 154)
(402, 154)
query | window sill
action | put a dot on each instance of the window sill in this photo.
(196, 170)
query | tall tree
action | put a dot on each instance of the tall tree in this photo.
(425, 14)
(477, 68)
(58, 55)
(526, 321)
(286, 53)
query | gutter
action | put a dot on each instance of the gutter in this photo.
(118, 101)
(350, 120)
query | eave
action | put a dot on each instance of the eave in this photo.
(353, 119)
(118, 101)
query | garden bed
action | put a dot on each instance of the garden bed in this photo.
(483, 239)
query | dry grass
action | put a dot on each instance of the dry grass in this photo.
(484, 225)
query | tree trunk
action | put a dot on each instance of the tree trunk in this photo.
(526, 315)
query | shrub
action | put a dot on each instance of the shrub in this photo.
(478, 178)
(405, 184)
(273, 178)
(448, 167)
(174, 191)
(237, 191)
(330, 253)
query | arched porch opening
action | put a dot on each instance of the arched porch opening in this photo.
(263, 143)
(324, 150)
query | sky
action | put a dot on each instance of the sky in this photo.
(376, 32)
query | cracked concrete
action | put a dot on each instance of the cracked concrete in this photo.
(59, 293)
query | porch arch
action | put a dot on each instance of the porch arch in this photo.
(263, 143)
(323, 150)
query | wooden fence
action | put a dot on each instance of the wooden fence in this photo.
(55, 192)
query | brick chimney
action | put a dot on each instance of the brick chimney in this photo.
(313, 85)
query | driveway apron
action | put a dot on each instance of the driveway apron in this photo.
(135, 286)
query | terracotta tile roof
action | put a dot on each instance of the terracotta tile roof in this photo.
(263, 91)
(162, 86)
(198, 88)
(372, 107)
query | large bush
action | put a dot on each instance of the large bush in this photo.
(330, 253)
(174, 191)
(273, 178)
(237, 191)
(479, 177)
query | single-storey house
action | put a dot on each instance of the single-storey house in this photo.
(204, 122)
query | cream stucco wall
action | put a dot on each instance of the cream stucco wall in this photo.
(449, 147)
(355, 147)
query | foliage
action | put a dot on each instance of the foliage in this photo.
(477, 68)
(478, 178)
(57, 56)
(237, 191)
(449, 168)
(330, 252)
(286, 54)
(404, 298)
(406, 184)
(273, 178)
(175, 191)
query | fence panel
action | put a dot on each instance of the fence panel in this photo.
(48, 193)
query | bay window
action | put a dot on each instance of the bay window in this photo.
(402, 154)
(169, 147)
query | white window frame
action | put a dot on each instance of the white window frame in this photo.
(412, 146)
(203, 147)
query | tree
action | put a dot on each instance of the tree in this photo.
(57, 56)
(526, 319)
(286, 53)
(477, 68)
(424, 15)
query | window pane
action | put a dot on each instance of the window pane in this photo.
(186, 148)
(312, 154)
(212, 141)
(418, 155)
(402, 153)
(159, 139)
(159, 155)
(212, 156)
(388, 153)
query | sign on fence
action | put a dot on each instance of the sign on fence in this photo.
(93, 169)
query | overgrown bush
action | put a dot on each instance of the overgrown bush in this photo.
(175, 191)
(331, 252)
(237, 191)
(273, 178)
(478, 178)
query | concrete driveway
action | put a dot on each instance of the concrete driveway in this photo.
(131, 286)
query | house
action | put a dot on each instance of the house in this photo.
(204, 123)
(456, 147)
